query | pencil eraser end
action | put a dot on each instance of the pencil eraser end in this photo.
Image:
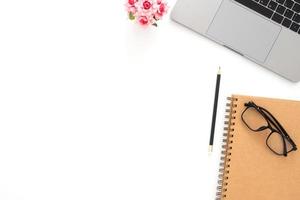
(210, 148)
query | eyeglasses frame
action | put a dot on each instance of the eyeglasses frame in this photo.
(273, 125)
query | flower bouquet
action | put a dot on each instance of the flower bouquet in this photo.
(146, 12)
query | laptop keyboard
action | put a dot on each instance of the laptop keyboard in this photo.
(284, 12)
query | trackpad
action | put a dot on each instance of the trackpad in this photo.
(244, 31)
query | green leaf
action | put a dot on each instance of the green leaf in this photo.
(131, 16)
(154, 24)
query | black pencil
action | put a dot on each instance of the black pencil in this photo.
(213, 123)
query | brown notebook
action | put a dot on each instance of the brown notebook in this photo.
(249, 170)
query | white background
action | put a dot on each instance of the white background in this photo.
(92, 106)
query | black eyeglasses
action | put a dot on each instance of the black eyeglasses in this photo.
(258, 119)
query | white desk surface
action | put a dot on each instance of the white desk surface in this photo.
(94, 107)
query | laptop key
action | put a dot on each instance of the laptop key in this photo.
(295, 27)
(264, 2)
(296, 18)
(286, 22)
(280, 9)
(256, 7)
(272, 5)
(277, 18)
(296, 8)
(289, 14)
(289, 4)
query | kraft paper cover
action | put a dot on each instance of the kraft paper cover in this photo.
(252, 171)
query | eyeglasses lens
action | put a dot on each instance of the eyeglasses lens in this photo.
(254, 119)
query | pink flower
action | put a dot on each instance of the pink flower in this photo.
(162, 8)
(131, 2)
(132, 9)
(143, 20)
(147, 5)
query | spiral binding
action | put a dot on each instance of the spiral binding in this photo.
(227, 148)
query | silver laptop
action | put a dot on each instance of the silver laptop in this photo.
(264, 31)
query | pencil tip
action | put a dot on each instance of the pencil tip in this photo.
(219, 72)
